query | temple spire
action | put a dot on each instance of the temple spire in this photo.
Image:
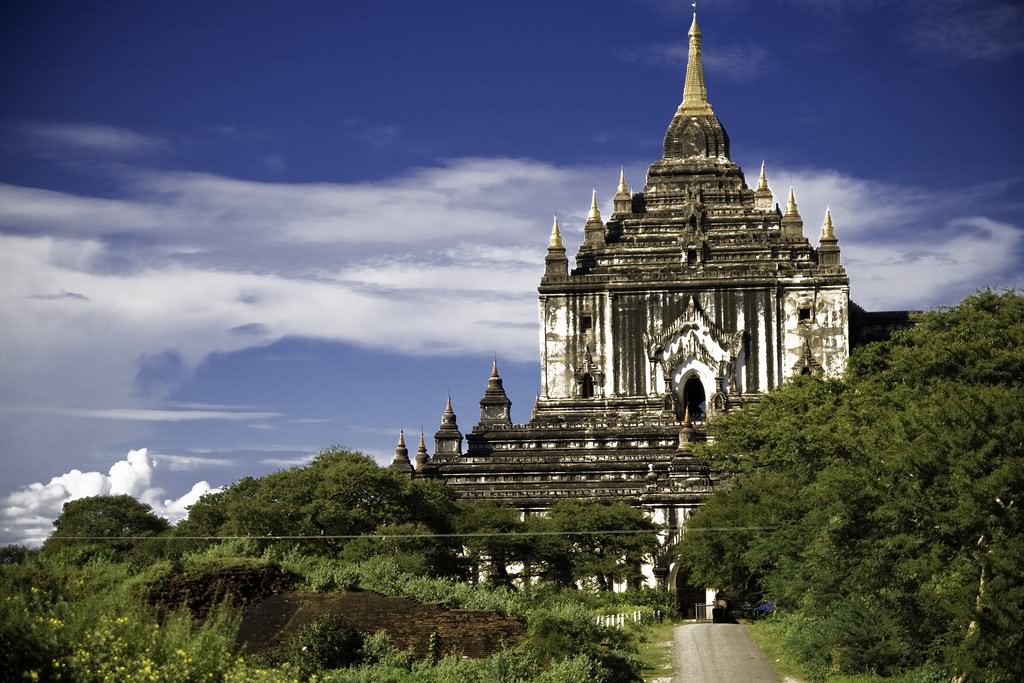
(695, 92)
(556, 237)
(622, 202)
(422, 457)
(401, 462)
(791, 209)
(792, 224)
(763, 194)
(595, 212)
(828, 232)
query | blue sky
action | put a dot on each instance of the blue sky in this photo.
(234, 233)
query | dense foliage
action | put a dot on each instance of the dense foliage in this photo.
(117, 595)
(882, 512)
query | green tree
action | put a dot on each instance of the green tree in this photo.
(889, 502)
(339, 495)
(493, 539)
(603, 542)
(84, 523)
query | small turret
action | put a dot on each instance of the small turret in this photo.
(422, 457)
(792, 224)
(556, 264)
(622, 203)
(495, 407)
(828, 249)
(448, 439)
(593, 231)
(763, 195)
(401, 463)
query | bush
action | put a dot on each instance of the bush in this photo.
(330, 643)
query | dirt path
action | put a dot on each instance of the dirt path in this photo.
(719, 653)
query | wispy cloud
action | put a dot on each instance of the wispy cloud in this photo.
(735, 62)
(91, 137)
(296, 461)
(60, 296)
(984, 31)
(189, 463)
(144, 414)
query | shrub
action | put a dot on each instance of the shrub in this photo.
(330, 643)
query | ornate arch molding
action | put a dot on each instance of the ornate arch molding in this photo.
(695, 336)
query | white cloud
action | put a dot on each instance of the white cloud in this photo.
(903, 246)
(92, 137)
(146, 414)
(28, 513)
(187, 463)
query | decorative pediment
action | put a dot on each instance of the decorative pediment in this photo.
(807, 364)
(694, 335)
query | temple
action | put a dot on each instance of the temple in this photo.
(693, 298)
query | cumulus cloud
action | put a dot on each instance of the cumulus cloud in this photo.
(28, 513)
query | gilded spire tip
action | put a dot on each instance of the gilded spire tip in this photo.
(762, 180)
(622, 180)
(595, 212)
(556, 236)
(791, 209)
(695, 92)
(828, 231)
(401, 438)
(494, 367)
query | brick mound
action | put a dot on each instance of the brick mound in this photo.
(241, 584)
(425, 630)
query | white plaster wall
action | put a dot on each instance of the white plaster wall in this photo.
(827, 331)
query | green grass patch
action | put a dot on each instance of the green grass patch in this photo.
(769, 637)
(655, 651)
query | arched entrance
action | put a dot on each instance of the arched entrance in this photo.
(587, 386)
(694, 398)
(688, 596)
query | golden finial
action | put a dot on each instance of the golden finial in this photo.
(556, 237)
(827, 230)
(448, 408)
(695, 92)
(791, 203)
(494, 367)
(622, 180)
(762, 180)
(595, 213)
(401, 438)
(423, 443)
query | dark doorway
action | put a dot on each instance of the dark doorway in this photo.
(587, 387)
(688, 596)
(694, 398)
